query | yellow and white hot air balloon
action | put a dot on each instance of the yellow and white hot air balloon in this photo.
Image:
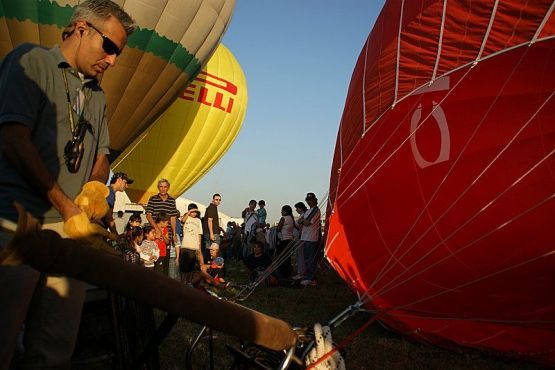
(193, 134)
(174, 40)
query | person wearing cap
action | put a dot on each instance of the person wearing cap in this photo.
(215, 263)
(310, 237)
(118, 182)
(190, 252)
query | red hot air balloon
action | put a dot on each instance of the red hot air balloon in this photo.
(442, 191)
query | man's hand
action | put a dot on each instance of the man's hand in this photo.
(92, 200)
(69, 209)
(79, 227)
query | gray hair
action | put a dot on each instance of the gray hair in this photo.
(162, 181)
(95, 10)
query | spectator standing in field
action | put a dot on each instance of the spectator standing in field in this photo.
(162, 202)
(118, 182)
(285, 229)
(190, 254)
(310, 237)
(300, 208)
(213, 221)
(250, 220)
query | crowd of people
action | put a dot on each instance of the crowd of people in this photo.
(201, 246)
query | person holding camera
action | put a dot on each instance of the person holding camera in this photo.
(54, 140)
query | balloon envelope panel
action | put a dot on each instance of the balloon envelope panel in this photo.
(174, 39)
(442, 185)
(189, 138)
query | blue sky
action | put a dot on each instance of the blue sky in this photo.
(298, 57)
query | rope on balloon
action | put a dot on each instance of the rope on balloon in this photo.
(122, 157)
(475, 241)
(369, 162)
(478, 58)
(483, 209)
(543, 23)
(327, 363)
(389, 264)
(368, 178)
(367, 297)
(486, 34)
(444, 291)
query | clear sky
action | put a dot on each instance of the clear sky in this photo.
(298, 57)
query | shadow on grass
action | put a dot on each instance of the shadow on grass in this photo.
(375, 348)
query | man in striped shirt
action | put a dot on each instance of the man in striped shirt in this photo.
(162, 202)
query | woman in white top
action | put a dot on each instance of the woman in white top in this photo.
(285, 228)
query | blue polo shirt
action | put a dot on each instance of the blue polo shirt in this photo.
(33, 94)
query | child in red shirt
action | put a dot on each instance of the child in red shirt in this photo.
(162, 264)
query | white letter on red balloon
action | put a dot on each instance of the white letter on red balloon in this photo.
(439, 117)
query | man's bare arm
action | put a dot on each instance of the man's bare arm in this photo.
(150, 220)
(101, 169)
(174, 230)
(211, 228)
(111, 223)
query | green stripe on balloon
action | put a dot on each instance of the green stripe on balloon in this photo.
(51, 13)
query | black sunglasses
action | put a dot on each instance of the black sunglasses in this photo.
(108, 45)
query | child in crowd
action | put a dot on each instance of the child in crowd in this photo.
(261, 211)
(215, 263)
(131, 251)
(162, 264)
(134, 221)
(148, 249)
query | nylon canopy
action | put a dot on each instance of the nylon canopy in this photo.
(443, 178)
(189, 138)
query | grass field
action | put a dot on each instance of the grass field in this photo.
(374, 348)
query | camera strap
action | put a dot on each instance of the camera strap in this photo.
(72, 125)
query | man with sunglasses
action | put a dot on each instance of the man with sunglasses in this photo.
(53, 140)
